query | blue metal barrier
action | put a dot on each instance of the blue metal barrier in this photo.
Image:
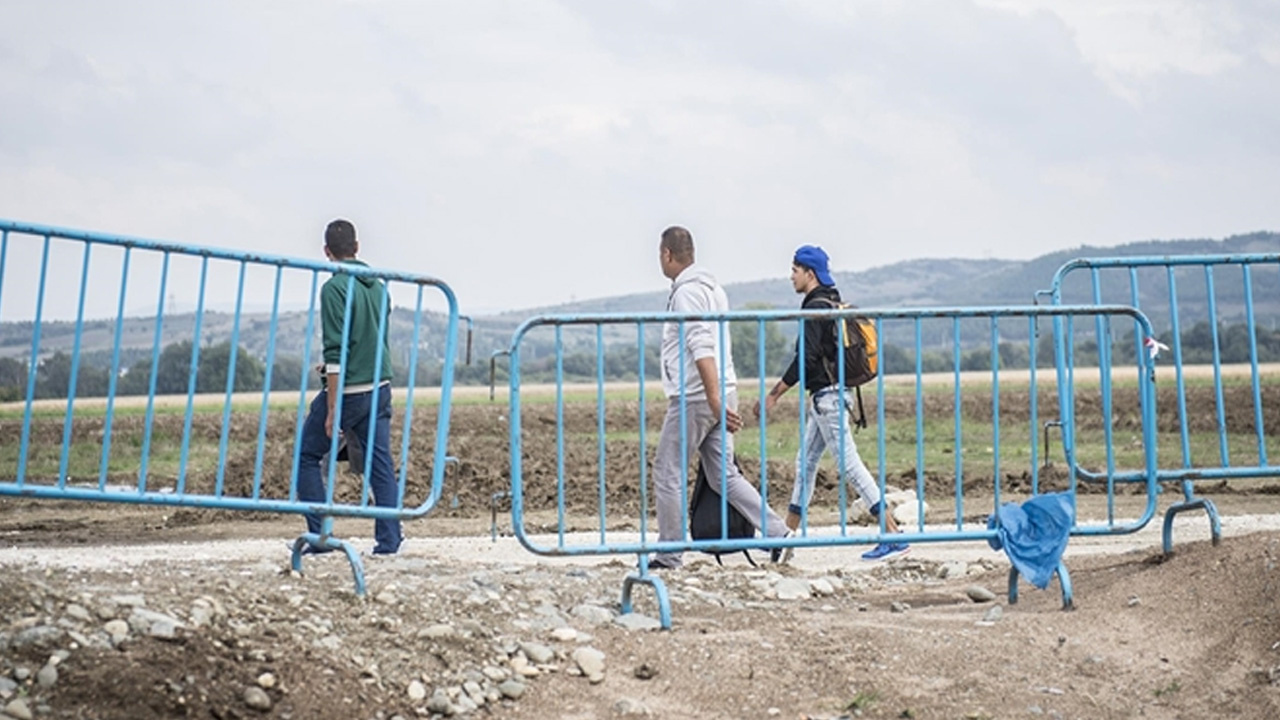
(622, 460)
(1215, 295)
(39, 266)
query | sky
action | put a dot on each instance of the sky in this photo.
(531, 152)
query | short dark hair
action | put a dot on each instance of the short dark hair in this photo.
(679, 242)
(340, 238)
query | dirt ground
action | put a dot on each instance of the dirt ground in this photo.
(125, 612)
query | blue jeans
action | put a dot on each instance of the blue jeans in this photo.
(822, 433)
(354, 423)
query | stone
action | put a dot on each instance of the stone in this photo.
(629, 707)
(7, 687)
(21, 673)
(257, 698)
(17, 709)
(994, 613)
(512, 689)
(417, 691)
(128, 600)
(463, 704)
(564, 634)
(592, 614)
(1134, 601)
(118, 630)
(495, 674)
(436, 632)
(37, 636)
(953, 569)
(908, 513)
(78, 612)
(979, 594)
(898, 607)
(439, 703)
(591, 662)
(538, 653)
(792, 589)
(636, 621)
(645, 671)
(821, 587)
(48, 676)
(266, 681)
(157, 625)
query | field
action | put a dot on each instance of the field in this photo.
(168, 612)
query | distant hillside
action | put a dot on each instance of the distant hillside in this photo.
(923, 282)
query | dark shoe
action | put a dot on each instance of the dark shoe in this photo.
(659, 564)
(783, 555)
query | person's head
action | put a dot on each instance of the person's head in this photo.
(809, 269)
(675, 252)
(340, 240)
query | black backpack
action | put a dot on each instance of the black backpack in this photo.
(861, 355)
(704, 517)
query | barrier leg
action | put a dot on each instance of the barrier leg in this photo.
(1215, 523)
(643, 577)
(1064, 581)
(327, 542)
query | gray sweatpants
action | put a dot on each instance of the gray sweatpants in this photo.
(702, 431)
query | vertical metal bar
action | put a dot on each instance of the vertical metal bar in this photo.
(109, 420)
(995, 407)
(1180, 380)
(151, 384)
(1034, 398)
(601, 455)
(191, 380)
(33, 368)
(375, 397)
(513, 424)
(958, 446)
(1217, 368)
(806, 494)
(560, 482)
(331, 471)
(302, 388)
(920, 440)
(1102, 328)
(74, 381)
(407, 433)
(1250, 324)
(231, 384)
(266, 384)
(842, 471)
(764, 444)
(644, 450)
(724, 435)
(684, 421)
(880, 428)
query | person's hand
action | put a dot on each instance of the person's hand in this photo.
(732, 421)
(328, 425)
(770, 402)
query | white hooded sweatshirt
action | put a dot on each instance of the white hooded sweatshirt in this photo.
(695, 290)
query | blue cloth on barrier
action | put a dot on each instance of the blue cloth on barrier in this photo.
(1033, 534)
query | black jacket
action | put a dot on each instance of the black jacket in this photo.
(819, 342)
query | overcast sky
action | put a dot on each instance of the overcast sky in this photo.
(529, 152)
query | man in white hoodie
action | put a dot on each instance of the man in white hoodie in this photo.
(695, 290)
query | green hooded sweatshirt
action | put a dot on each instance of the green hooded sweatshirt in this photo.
(362, 343)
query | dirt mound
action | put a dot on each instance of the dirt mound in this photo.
(1193, 636)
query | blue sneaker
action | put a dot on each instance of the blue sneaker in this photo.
(885, 550)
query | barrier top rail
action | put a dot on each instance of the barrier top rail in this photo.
(1155, 261)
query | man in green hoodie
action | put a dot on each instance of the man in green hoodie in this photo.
(365, 387)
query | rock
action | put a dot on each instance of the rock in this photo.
(953, 569)
(118, 630)
(463, 704)
(994, 613)
(512, 689)
(1134, 601)
(564, 634)
(821, 587)
(7, 687)
(37, 636)
(157, 625)
(439, 703)
(898, 607)
(387, 597)
(435, 632)
(979, 594)
(128, 600)
(645, 671)
(474, 691)
(592, 614)
(17, 709)
(591, 662)
(21, 674)
(636, 621)
(266, 681)
(908, 514)
(417, 691)
(48, 676)
(495, 674)
(792, 589)
(520, 664)
(257, 698)
(78, 612)
(536, 652)
(627, 706)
